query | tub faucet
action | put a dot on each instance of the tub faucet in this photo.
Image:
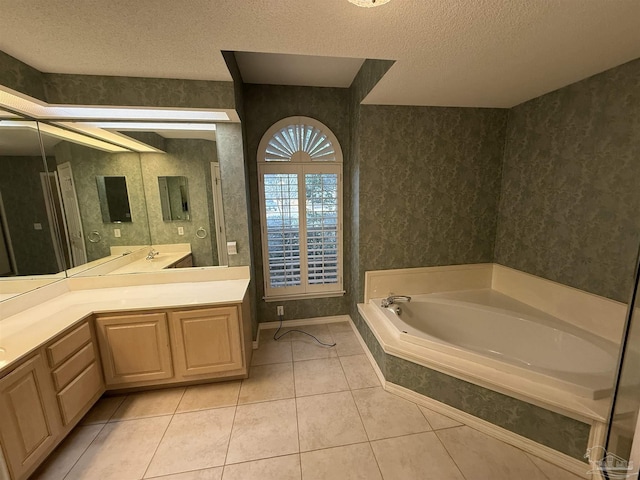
(152, 254)
(391, 299)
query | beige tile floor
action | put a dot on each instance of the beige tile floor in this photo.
(306, 412)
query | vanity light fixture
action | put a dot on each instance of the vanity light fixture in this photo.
(123, 113)
(369, 3)
(38, 109)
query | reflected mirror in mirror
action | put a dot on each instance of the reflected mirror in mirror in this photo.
(28, 238)
(174, 198)
(114, 199)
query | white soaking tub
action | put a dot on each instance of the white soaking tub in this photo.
(491, 329)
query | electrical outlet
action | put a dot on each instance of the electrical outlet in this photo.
(280, 310)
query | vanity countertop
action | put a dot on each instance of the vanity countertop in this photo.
(159, 262)
(27, 330)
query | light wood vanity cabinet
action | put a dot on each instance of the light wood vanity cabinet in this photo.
(76, 372)
(30, 423)
(207, 341)
(45, 396)
(172, 346)
(134, 348)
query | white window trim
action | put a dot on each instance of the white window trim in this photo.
(298, 166)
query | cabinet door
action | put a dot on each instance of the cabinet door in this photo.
(134, 348)
(29, 420)
(206, 341)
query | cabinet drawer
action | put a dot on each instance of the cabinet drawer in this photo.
(72, 367)
(79, 393)
(68, 344)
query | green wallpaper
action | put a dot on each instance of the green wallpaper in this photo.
(189, 158)
(234, 190)
(429, 181)
(556, 431)
(23, 200)
(86, 164)
(570, 201)
(265, 105)
(369, 74)
(21, 77)
(134, 91)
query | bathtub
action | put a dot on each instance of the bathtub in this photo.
(494, 330)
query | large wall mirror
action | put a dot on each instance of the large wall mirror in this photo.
(110, 202)
(30, 253)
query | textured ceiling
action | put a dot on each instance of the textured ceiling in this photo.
(491, 53)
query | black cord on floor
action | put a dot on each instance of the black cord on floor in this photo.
(278, 337)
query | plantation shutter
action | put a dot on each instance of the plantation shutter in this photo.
(300, 174)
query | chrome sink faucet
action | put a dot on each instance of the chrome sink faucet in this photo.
(152, 254)
(391, 299)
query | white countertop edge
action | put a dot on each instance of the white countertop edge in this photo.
(29, 320)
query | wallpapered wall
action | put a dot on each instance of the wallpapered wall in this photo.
(570, 200)
(429, 185)
(234, 190)
(24, 205)
(367, 77)
(86, 164)
(265, 105)
(189, 158)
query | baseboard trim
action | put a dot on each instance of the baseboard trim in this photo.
(299, 323)
(559, 459)
(566, 462)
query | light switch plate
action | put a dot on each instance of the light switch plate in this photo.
(232, 248)
(116, 232)
(180, 230)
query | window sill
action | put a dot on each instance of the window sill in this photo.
(303, 296)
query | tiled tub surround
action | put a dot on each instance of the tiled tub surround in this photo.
(305, 412)
(563, 424)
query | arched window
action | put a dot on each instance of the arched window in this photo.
(300, 183)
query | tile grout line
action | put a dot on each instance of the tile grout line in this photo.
(155, 451)
(94, 438)
(83, 451)
(364, 427)
(535, 465)
(449, 453)
(233, 422)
